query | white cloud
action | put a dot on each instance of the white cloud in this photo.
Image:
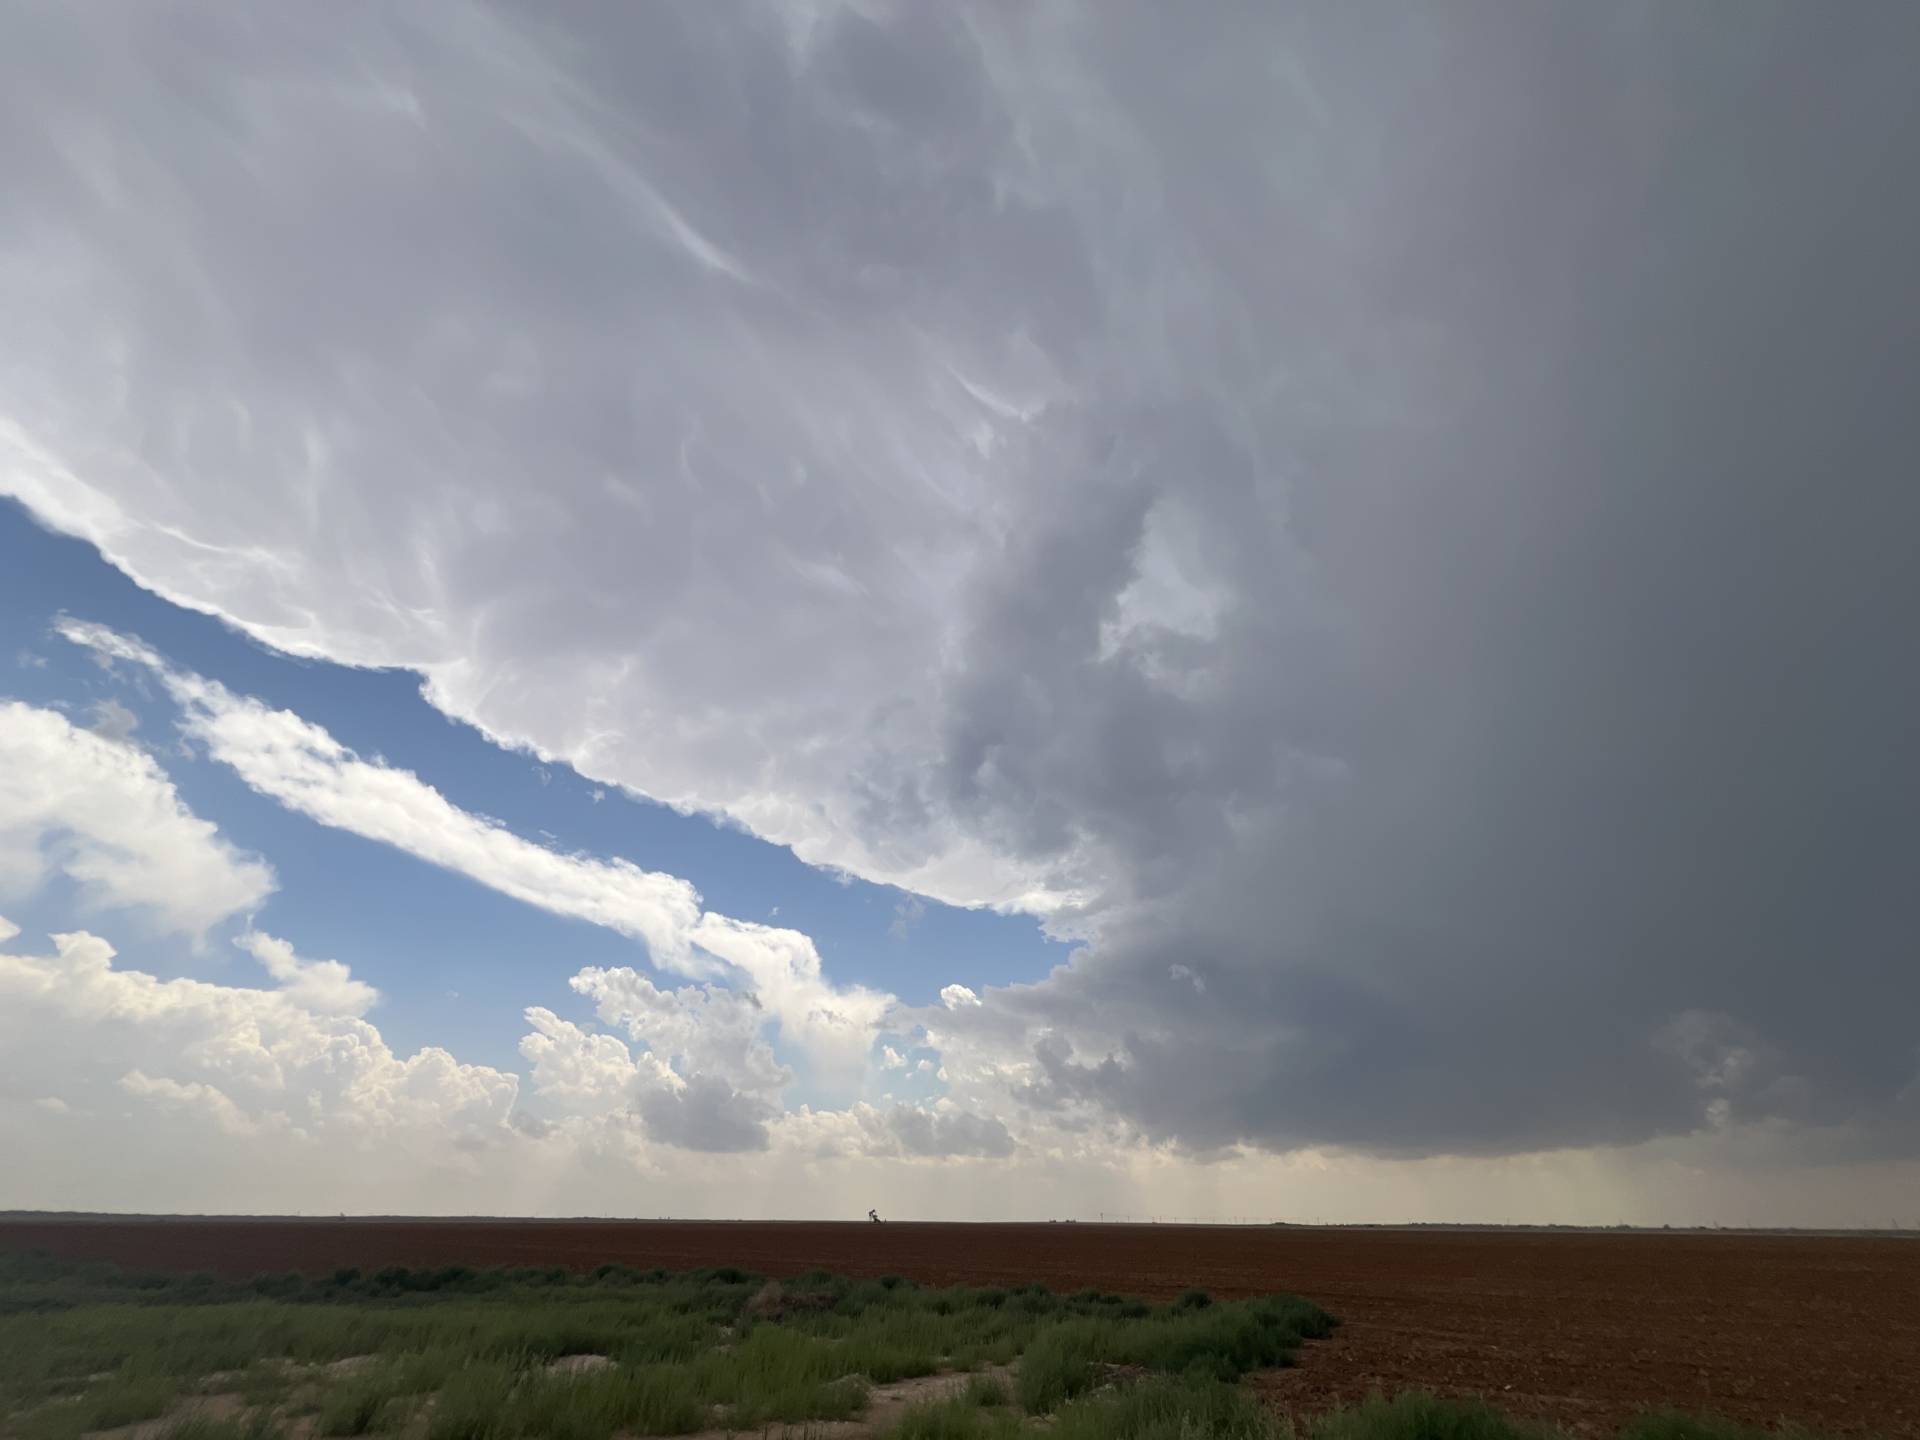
(202, 1097)
(833, 1025)
(892, 1059)
(694, 1031)
(111, 720)
(324, 986)
(193, 1097)
(943, 1131)
(105, 815)
(219, 1075)
(591, 1074)
(78, 1028)
(304, 768)
(956, 997)
(688, 1107)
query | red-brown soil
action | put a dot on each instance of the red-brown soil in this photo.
(1579, 1328)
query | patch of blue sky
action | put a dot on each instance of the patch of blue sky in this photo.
(456, 962)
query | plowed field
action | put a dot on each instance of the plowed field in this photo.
(1579, 1328)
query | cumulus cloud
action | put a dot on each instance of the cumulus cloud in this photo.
(949, 1132)
(703, 1028)
(586, 1071)
(708, 1078)
(1406, 519)
(106, 816)
(691, 1108)
(324, 986)
(203, 1097)
(225, 1068)
(943, 1131)
(77, 1026)
(194, 1097)
(833, 1024)
(706, 1113)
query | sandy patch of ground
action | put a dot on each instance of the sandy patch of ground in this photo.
(885, 1404)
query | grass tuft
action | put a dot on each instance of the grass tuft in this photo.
(955, 1419)
(986, 1391)
(355, 1406)
(125, 1399)
(1419, 1416)
(1167, 1410)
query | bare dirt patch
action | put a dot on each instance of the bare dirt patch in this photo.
(885, 1405)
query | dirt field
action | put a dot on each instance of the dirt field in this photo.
(1578, 1328)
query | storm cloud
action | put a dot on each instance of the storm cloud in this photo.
(1392, 526)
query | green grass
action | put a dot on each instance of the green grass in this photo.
(689, 1351)
(1416, 1416)
(1200, 1341)
(986, 1390)
(472, 1403)
(358, 1405)
(119, 1400)
(453, 1353)
(1676, 1425)
(956, 1419)
(1165, 1409)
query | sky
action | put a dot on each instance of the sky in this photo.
(1279, 611)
